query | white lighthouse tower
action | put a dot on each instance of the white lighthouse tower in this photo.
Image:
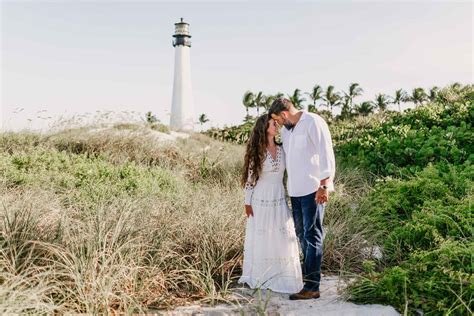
(182, 107)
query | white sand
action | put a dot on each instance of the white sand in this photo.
(330, 303)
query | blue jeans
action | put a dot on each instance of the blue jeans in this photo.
(308, 218)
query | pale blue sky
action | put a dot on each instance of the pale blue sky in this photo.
(85, 56)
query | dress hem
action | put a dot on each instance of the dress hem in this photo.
(246, 280)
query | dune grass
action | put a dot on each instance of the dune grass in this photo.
(95, 221)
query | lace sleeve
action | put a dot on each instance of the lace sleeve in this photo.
(249, 185)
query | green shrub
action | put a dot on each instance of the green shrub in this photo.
(425, 227)
(437, 281)
(235, 134)
(437, 132)
(421, 211)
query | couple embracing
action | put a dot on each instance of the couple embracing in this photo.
(274, 233)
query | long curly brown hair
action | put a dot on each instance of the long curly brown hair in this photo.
(256, 150)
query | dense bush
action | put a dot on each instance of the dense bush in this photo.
(235, 134)
(423, 219)
(437, 132)
(240, 134)
(425, 227)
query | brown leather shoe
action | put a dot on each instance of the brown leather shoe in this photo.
(304, 295)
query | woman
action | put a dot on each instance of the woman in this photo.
(271, 255)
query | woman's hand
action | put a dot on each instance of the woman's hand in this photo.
(248, 210)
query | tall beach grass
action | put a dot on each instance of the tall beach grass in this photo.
(95, 220)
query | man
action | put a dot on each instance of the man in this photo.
(311, 168)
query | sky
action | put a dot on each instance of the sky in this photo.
(70, 60)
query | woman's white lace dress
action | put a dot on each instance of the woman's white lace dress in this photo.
(271, 254)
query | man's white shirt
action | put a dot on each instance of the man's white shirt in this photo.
(309, 155)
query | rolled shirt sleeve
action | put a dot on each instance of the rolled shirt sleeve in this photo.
(321, 137)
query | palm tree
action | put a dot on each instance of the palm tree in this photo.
(456, 86)
(332, 98)
(150, 118)
(312, 108)
(315, 95)
(433, 94)
(257, 102)
(418, 96)
(354, 91)
(381, 102)
(267, 101)
(365, 108)
(203, 119)
(400, 96)
(248, 101)
(297, 99)
(346, 107)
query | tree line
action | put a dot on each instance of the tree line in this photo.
(324, 101)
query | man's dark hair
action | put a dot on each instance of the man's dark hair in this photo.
(279, 105)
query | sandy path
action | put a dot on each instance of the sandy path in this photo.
(331, 303)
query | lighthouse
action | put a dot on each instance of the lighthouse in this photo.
(182, 106)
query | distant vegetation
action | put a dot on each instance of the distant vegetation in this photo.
(324, 102)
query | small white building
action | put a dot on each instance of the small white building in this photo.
(182, 107)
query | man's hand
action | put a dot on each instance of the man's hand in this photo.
(248, 210)
(322, 196)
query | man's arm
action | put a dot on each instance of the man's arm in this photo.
(321, 138)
